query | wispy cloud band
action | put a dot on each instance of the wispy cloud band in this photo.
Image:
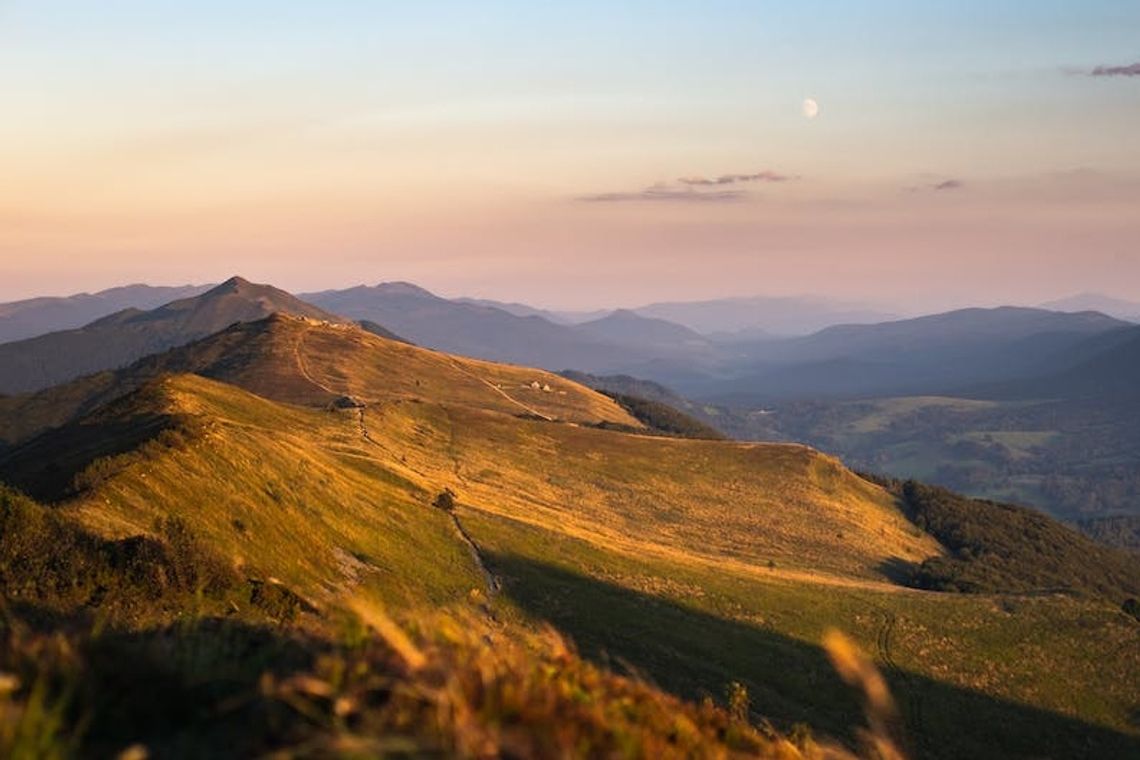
(666, 193)
(692, 189)
(1131, 70)
(934, 185)
(734, 179)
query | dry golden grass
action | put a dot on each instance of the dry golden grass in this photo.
(334, 513)
(450, 685)
(309, 363)
(475, 690)
(734, 502)
(375, 370)
(272, 466)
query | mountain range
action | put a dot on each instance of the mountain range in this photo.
(36, 316)
(120, 338)
(942, 353)
(936, 354)
(243, 516)
(762, 315)
(724, 318)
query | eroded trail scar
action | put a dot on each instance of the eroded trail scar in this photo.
(303, 367)
(363, 426)
(493, 585)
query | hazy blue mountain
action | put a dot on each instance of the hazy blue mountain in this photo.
(1105, 368)
(38, 316)
(729, 318)
(472, 329)
(523, 310)
(1114, 307)
(939, 353)
(960, 332)
(630, 328)
(123, 337)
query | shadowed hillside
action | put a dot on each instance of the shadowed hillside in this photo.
(1002, 547)
(644, 630)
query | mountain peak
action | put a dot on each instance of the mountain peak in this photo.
(123, 337)
(401, 287)
(234, 284)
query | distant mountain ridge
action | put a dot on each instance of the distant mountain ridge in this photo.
(301, 361)
(729, 319)
(526, 310)
(933, 354)
(773, 315)
(487, 332)
(38, 316)
(1114, 307)
(629, 327)
(668, 342)
(123, 337)
(1105, 369)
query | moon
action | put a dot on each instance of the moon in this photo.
(810, 108)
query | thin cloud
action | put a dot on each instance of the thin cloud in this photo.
(1131, 70)
(733, 179)
(938, 186)
(692, 189)
(667, 193)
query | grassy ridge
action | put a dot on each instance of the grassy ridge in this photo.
(694, 523)
(699, 563)
(300, 362)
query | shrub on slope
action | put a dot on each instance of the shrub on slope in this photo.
(997, 548)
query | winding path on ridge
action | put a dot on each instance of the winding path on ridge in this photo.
(492, 583)
(304, 369)
(497, 389)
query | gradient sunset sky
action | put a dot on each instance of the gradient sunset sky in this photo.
(576, 154)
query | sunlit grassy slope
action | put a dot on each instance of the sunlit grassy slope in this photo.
(303, 495)
(696, 563)
(312, 363)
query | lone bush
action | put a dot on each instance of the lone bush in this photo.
(445, 500)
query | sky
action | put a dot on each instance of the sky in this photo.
(575, 155)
